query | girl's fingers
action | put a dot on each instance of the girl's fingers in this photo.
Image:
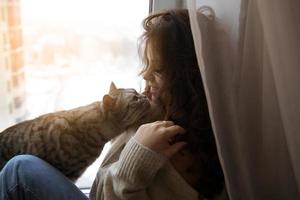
(165, 123)
(159, 136)
(174, 149)
(171, 131)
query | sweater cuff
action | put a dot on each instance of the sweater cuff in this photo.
(139, 164)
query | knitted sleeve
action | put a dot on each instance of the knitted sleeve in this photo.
(129, 177)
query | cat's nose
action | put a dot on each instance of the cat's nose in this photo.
(144, 96)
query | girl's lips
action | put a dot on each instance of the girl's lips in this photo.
(153, 93)
(148, 94)
(153, 90)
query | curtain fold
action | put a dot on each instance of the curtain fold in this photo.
(254, 95)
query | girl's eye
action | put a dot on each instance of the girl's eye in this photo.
(157, 73)
(158, 70)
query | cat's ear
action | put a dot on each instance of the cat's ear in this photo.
(112, 88)
(108, 102)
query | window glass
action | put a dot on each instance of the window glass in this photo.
(74, 49)
(70, 53)
(63, 54)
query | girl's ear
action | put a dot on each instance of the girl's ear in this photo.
(112, 88)
(108, 102)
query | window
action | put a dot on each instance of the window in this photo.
(3, 14)
(6, 63)
(15, 81)
(15, 37)
(74, 49)
(8, 87)
(17, 62)
(18, 101)
(4, 33)
(13, 13)
(4, 40)
(10, 108)
(69, 51)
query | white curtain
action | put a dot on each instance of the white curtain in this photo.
(250, 64)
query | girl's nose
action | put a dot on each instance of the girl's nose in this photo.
(148, 75)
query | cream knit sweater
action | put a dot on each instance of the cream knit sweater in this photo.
(135, 172)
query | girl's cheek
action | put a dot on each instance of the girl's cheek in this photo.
(159, 81)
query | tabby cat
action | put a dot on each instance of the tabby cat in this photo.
(71, 140)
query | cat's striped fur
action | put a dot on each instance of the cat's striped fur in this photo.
(71, 140)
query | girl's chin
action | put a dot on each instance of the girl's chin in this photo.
(154, 98)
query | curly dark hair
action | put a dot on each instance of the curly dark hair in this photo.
(168, 35)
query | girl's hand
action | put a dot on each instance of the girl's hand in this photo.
(159, 137)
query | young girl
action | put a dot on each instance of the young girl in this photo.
(171, 159)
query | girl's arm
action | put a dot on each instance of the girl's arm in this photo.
(143, 156)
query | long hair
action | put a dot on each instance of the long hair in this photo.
(168, 35)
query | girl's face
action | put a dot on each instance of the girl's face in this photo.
(154, 76)
(154, 79)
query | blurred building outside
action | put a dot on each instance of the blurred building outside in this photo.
(12, 78)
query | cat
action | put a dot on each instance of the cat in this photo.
(72, 140)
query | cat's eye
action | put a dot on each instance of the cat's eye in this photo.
(135, 97)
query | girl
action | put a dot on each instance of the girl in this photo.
(171, 159)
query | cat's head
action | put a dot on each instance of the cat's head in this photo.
(127, 108)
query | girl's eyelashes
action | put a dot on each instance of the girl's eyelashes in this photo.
(158, 72)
